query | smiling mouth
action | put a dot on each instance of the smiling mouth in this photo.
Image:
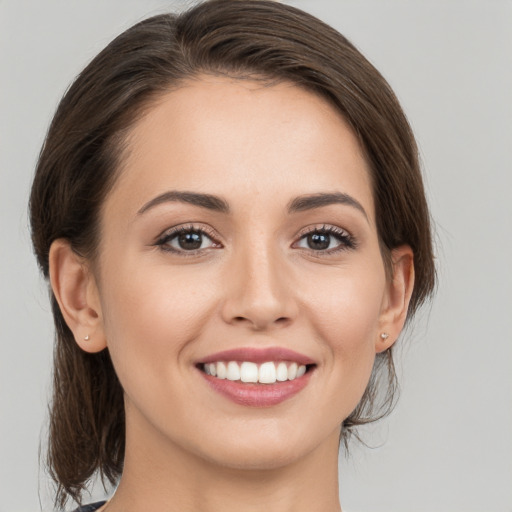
(269, 372)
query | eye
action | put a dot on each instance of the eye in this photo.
(327, 239)
(184, 239)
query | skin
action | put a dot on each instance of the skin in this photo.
(254, 282)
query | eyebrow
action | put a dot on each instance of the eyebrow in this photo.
(202, 200)
(215, 203)
(309, 202)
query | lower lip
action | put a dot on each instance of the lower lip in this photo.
(257, 395)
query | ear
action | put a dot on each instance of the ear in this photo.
(75, 289)
(396, 298)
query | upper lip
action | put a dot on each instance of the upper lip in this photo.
(258, 355)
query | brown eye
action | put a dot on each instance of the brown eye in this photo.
(328, 239)
(190, 241)
(318, 241)
(185, 239)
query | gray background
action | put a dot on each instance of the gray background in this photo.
(448, 445)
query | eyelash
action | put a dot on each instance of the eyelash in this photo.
(173, 233)
(347, 241)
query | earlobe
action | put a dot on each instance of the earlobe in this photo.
(397, 298)
(75, 289)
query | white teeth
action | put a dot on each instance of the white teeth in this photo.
(247, 371)
(282, 372)
(233, 371)
(267, 373)
(221, 370)
(292, 371)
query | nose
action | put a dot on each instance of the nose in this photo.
(259, 292)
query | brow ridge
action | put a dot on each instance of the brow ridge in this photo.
(309, 202)
(208, 201)
(215, 203)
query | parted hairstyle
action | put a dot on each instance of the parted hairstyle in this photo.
(80, 158)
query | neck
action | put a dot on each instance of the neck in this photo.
(170, 479)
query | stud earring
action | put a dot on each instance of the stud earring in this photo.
(384, 336)
(86, 338)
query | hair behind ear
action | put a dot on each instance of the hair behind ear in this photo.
(86, 416)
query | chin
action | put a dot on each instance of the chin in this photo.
(266, 449)
(255, 458)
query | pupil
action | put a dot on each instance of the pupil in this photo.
(190, 240)
(318, 241)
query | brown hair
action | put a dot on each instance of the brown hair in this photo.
(85, 142)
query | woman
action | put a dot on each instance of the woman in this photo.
(230, 212)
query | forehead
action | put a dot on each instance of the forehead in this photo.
(233, 137)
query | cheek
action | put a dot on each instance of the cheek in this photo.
(346, 312)
(347, 304)
(150, 316)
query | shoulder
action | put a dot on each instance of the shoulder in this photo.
(91, 507)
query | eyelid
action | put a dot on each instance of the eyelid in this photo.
(172, 232)
(347, 240)
(323, 228)
(188, 226)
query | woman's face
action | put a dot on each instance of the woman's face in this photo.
(241, 230)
